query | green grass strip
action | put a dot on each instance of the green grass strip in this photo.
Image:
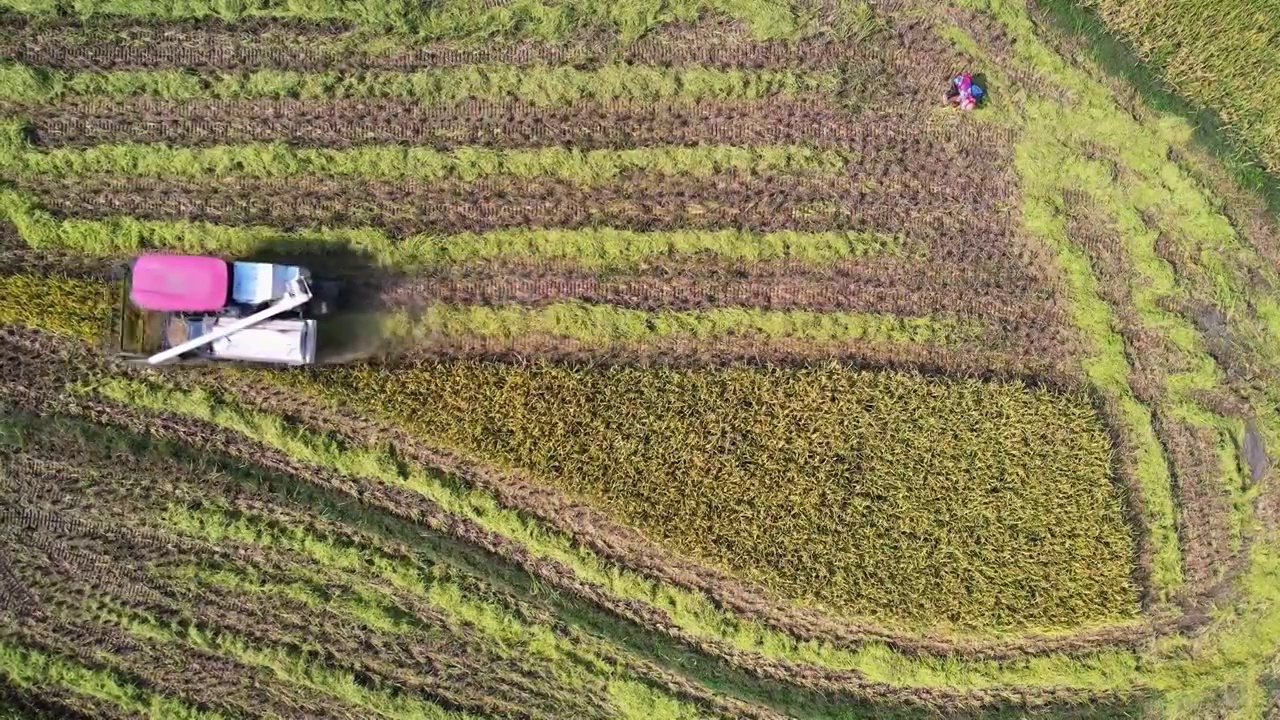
(591, 248)
(546, 86)
(364, 602)
(606, 325)
(457, 19)
(1159, 283)
(691, 611)
(32, 669)
(585, 168)
(282, 663)
(368, 605)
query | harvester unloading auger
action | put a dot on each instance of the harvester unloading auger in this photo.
(194, 308)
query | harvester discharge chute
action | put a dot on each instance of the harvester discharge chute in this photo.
(193, 308)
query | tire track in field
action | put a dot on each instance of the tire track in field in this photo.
(55, 703)
(79, 122)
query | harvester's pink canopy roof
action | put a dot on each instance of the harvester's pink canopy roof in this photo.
(179, 283)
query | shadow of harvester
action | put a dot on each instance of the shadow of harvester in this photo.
(352, 282)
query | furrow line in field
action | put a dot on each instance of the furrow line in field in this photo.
(916, 271)
(587, 125)
(84, 247)
(924, 293)
(370, 254)
(225, 47)
(452, 666)
(214, 682)
(408, 208)
(1014, 331)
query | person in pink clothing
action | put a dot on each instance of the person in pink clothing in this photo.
(964, 92)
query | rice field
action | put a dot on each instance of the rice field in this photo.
(1227, 52)
(693, 360)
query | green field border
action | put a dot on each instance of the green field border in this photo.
(541, 85)
(458, 19)
(593, 248)
(420, 164)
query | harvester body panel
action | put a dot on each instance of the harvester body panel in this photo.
(177, 308)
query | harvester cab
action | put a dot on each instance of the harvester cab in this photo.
(179, 308)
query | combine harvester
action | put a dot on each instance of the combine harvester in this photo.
(184, 309)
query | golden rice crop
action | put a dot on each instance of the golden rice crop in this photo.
(879, 494)
(57, 304)
(1221, 56)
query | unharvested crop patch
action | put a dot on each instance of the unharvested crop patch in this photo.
(878, 494)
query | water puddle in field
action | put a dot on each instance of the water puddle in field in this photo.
(1255, 452)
